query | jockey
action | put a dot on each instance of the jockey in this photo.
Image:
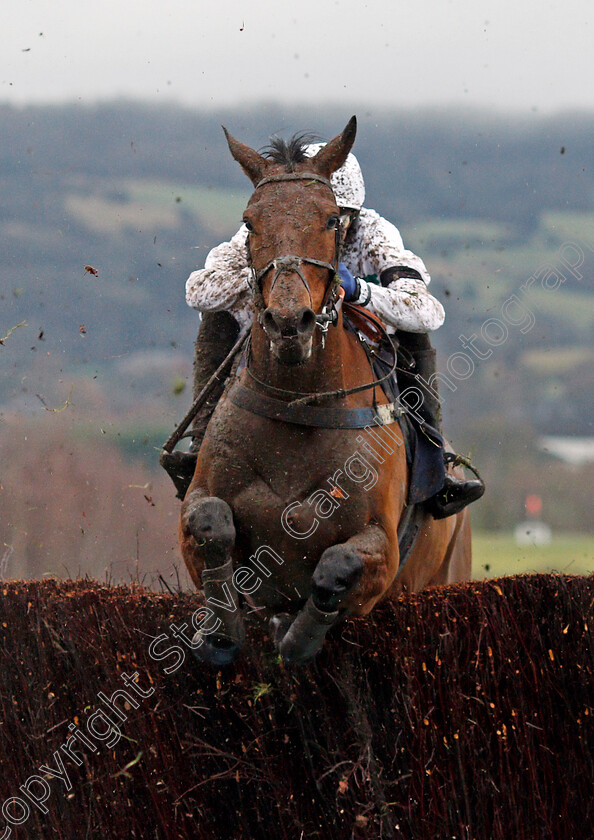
(376, 271)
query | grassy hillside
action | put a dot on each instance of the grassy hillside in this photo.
(494, 555)
(141, 195)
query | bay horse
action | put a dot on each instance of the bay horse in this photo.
(286, 475)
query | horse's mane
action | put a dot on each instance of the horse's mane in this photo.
(289, 152)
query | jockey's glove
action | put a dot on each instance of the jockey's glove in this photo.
(356, 290)
(347, 281)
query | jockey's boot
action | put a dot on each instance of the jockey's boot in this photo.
(217, 334)
(456, 493)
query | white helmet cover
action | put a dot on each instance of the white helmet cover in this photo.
(347, 182)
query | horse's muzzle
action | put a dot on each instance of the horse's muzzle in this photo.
(291, 336)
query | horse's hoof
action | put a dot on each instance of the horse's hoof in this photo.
(216, 650)
(292, 658)
(337, 573)
(279, 625)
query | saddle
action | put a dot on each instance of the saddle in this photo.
(364, 321)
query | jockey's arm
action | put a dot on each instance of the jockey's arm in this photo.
(223, 283)
(405, 304)
(402, 300)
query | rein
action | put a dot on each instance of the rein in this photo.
(291, 264)
(339, 393)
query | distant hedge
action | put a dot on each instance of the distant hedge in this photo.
(463, 712)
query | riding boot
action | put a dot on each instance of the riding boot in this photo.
(217, 334)
(456, 493)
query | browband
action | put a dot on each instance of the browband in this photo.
(295, 176)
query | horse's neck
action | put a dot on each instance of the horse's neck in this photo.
(323, 371)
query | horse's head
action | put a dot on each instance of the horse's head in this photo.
(293, 222)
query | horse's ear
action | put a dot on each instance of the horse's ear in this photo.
(252, 163)
(333, 154)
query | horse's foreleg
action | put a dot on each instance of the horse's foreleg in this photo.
(208, 537)
(349, 579)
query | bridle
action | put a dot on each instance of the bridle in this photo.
(291, 264)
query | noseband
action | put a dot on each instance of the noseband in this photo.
(291, 264)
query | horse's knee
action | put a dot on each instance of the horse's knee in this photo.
(210, 522)
(338, 571)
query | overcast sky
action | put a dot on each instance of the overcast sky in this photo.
(507, 54)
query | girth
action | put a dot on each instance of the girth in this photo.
(322, 417)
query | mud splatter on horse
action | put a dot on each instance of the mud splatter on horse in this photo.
(289, 450)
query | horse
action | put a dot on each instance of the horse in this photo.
(301, 469)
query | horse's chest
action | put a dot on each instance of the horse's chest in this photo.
(295, 485)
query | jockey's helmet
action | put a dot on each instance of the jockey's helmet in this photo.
(347, 182)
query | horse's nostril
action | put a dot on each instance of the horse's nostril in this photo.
(269, 323)
(307, 321)
(295, 325)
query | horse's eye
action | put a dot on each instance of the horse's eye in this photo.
(248, 225)
(332, 222)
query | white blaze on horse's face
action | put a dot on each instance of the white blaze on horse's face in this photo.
(294, 230)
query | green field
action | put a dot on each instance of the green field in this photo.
(219, 210)
(495, 555)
